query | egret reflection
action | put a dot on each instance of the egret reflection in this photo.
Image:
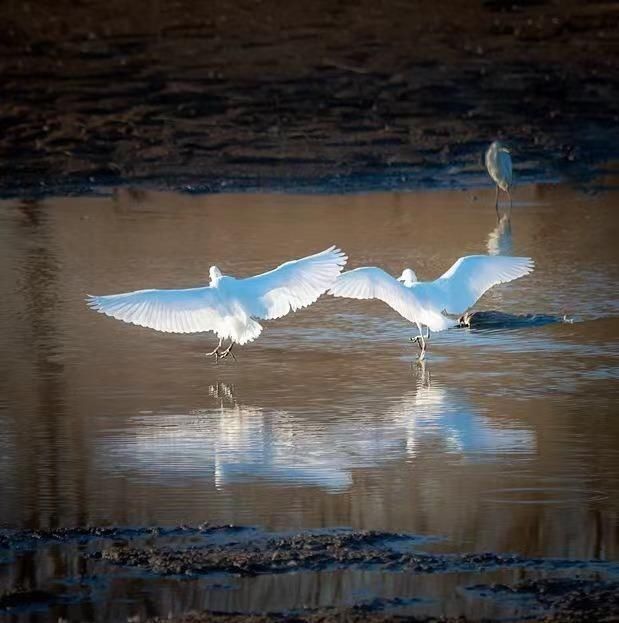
(500, 238)
(433, 412)
(230, 442)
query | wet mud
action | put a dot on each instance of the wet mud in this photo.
(565, 601)
(557, 590)
(309, 552)
(260, 94)
(502, 320)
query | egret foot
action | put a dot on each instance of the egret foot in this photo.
(223, 354)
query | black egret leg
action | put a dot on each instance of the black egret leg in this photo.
(510, 205)
(421, 341)
(228, 351)
(215, 353)
(496, 203)
(423, 349)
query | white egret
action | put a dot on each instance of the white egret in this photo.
(499, 165)
(228, 306)
(426, 303)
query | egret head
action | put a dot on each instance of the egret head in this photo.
(408, 277)
(215, 274)
(499, 146)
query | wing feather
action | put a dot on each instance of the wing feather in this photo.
(174, 311)
(467, 280)
(370, 282)
(292, 285)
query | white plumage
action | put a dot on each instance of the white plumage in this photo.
(426, 303)
(228, 306)
(499, 165)
(371, 282)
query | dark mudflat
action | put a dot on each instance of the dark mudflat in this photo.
(566, 602)
(302, 96)
(502, 320)
(556, 590)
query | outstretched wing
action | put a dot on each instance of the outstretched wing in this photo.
(292, 285)
(464, 283)
(370, 282)
(172, 311)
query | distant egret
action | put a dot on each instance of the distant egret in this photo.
(426, 303)
(499, 165)
(228, 306)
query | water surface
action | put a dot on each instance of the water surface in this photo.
(504, 440)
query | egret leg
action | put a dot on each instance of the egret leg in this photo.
(428, 334)
(421, 341)
(509, 216)
(228, 351)
(422, 354)
(215, 353)
(496, 203)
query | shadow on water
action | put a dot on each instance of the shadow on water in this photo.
(38, 284)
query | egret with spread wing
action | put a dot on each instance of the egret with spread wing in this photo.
(427, 303)
(228, 306)
(499, 165)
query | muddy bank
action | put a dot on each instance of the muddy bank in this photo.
(565, 601)
(548, 589)
(309, 552)
(262, 94)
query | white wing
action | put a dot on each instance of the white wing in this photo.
(464, 283)
(370, 282)
(173, 311)
(292, 285)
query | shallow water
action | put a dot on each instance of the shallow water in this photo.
(505, 440)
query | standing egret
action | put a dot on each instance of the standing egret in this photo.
(426, 303)
(499, 165)
(228, 306)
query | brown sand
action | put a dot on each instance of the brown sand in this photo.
(326, 95)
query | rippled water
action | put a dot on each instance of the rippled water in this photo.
(505, 440)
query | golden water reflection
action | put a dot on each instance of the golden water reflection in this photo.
(508, 440)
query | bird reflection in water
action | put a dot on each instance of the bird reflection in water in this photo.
(500, 238)
(435, 412)
(234, 443)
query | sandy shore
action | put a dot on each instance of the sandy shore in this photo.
(337, 96)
